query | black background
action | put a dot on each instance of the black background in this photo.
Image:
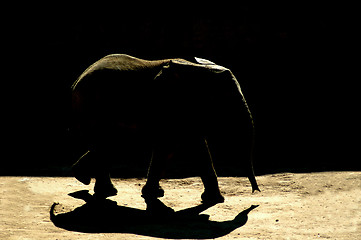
(294, 64)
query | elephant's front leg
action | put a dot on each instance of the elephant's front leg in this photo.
(162, 152)
(211, 194)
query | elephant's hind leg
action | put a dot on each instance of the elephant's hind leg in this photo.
(103, 186)
(88, 166)
(82, 170)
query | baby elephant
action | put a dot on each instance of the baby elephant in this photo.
(170, 103)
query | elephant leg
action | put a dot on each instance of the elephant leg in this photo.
(82, 169)
(94, 164)
(162, 153)
(103, 185)
(95, 129)
(233, 145)
(103, 155)
(211, 194)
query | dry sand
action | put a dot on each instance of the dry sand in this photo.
(324, 205)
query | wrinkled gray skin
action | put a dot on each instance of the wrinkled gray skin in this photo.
(172, 103)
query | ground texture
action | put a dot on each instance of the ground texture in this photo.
(324, 205)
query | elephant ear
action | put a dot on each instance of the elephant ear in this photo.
(204, 61)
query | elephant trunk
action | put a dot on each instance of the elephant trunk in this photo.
(244, 120)
(250, 171)
(252, 179)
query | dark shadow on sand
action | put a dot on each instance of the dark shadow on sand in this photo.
(105, 216)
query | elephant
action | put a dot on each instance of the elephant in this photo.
(171, 102)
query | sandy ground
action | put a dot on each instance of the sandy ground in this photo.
(323, 205)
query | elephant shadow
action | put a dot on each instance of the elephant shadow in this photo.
(105, 216)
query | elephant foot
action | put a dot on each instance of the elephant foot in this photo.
(152, 192)
(83, 168)
(81, 174)
(212, 198)
(104, 191)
